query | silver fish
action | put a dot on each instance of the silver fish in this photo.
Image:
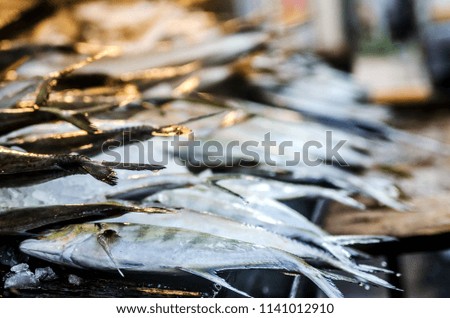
(226, 228)
(248, 186)
(166, 250)
(261, 212)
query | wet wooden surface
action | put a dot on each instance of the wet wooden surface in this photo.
(430, 216)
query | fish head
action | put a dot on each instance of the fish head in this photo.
(57, 246)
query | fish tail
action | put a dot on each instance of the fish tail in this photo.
(343, 198)
(99, 171)
(212, 276)
(374, 191)
(316, 276)
(339, 261)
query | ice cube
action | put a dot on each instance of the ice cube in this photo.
(45, 274)
(74, 279)
(23, 267)
(20, 277)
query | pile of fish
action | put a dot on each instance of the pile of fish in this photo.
(84, 102)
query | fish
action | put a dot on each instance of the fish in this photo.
(216, 51)
(164, 250)
(93, 100)
(23, 220)
(323, 175)
(239, 185)
(258, 211)
(227, 228)
(347, 181)
(19, 169)
(154, 185)
(87, 90)
(13, 119)
(84, 143)
(367, 124)
(301, 79)
(254, 126)
(248, 186)
(11, 55)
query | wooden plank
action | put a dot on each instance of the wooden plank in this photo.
(431, 217)
(396, 79)
(440, 13)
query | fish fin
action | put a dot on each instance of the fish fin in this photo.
(49, 83)
(99, 171)
(363, 274)
(357, 254)
(104, 238)
(396, 205)
(214, 181)
(171, 130)
(44, 91)
(213, 278)
(79, 120)
(374, 269)
(317, 277)
(153, 209)
(126, 265)
(335, 276)
(193, 119)
(373, 191)
(344, 198)
(51, 79)
(132, 166)
(133, 208)
(358, 239)
(215, 184)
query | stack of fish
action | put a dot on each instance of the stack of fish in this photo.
(67, 109)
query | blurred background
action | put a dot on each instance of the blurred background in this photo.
(399, 49)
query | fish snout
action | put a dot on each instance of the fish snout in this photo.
(41, 249)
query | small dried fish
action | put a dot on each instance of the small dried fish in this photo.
(13, 119)
(22, 169)
(92, 144)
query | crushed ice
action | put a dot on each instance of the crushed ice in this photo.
(21, 277)
(74, 280)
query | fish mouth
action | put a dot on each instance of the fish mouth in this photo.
(40, 249)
